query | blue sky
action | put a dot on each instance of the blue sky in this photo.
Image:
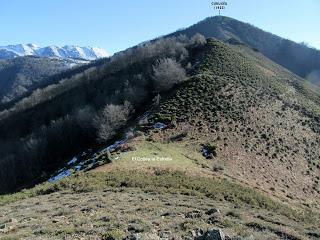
(118, 24)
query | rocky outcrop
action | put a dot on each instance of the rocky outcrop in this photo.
(214, 234)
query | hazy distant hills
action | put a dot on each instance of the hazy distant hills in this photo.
(66, 52)
(298, 58)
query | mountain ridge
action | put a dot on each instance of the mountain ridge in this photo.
(297, 58)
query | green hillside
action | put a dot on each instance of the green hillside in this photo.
(299, 58)
(237, 151)
(263, 119)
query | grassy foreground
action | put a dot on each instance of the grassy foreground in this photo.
(246, 211)
(160, 181)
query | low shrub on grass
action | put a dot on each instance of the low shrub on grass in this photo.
(163, 182)
(113, 235)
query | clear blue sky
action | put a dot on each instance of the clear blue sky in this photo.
(118, 24)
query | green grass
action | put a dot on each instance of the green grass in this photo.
(168, 155)
(113, 235)
(230, 84)
(164, 181)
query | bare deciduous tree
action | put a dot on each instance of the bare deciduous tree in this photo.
(167, 73)
(111, 119)
(156, 100)
(198, 39)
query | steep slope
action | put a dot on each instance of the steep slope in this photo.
(262, 118)
(298, 58)
(35, 131)
(260, 121)
(66, 52)
(20, 75)
(240, 135)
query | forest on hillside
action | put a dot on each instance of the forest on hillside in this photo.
(87, 108)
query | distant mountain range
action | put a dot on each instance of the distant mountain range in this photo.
(66, 52)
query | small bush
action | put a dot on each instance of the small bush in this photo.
(234, 214)
(209, 150)
(218, 168)
(163, 118)
(113, 235)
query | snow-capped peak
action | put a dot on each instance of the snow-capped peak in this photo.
(20, 49)
(66, 52)
(89, 53)
(32, 45)
(100, 52)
